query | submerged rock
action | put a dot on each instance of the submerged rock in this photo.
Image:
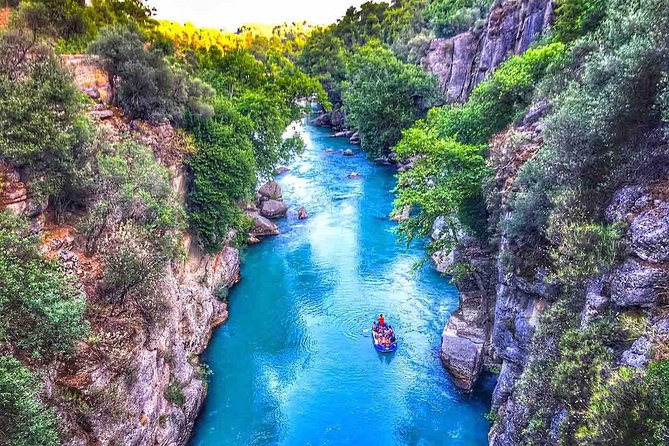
(348, 152)
(354, 175)
(302, 213)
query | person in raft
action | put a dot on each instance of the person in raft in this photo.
(382, 321)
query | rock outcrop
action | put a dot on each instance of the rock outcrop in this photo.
(465, 341)
(463, 61)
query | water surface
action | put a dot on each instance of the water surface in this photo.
(294, 364)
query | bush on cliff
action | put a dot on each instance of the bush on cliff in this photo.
(606, 106)
(42, 128)
(24, 421)
(145, 85)
(42, 311)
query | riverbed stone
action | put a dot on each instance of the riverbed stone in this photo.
(261, 226)
(273, 209)
(270, 191)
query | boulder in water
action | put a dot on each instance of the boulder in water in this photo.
(281, 170)
(348, 152)
(273, 209)
(270, 191)
(354, 175)
(355, 139)
(261, 226)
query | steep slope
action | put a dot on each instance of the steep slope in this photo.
(463, 61)
(131, 382)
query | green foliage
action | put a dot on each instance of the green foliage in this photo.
(449, 148)
(24, 421)
(592, 136)
(255, 103)
(445, 174)
(359, 26)
(133, 188)
(144, 84)
(576, 18)
(175, 393)
(323, 57)
(450, 17)
(580, 251)
(223, 170)
(629, 407)
(41, 125)
(73, 24)
(42, 311)
(383, 96)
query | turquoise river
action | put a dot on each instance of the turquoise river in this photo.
(294, 364)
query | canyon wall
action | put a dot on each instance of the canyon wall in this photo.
(461, 62)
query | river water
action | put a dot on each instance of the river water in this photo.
(295, 365)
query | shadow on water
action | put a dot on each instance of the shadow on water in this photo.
(295, 365)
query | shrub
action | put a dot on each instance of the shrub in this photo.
(25, 420)
(133, 187)
(43, 312)
(174, 393)
(42, 129)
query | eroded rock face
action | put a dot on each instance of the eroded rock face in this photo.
(462, 357)
(466, 337)
(635, 284)
(463, 61)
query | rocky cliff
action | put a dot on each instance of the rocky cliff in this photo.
(505, 292)
(463, 61)
(131, 382)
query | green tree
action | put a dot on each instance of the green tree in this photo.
(382, 96)
(144, 84)
(450, 17)
(24, 421)
(323, 56)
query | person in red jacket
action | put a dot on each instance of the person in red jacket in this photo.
(382, 321)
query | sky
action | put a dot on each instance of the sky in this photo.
(230, 14)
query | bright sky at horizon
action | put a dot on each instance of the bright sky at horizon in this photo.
(230, 14)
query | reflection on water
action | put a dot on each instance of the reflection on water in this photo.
(295, 363)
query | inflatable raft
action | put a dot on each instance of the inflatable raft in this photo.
(383, 348)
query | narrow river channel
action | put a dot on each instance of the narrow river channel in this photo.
(295, 365)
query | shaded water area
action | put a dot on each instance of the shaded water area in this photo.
(295, 365)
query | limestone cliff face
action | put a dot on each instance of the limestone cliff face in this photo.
(117, 389)
(132, 382)
(497, 319)
(463, 61)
